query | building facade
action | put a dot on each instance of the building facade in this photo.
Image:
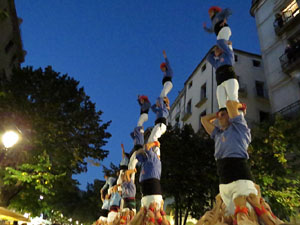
(11, 49)
(198, 96)
(278, 26)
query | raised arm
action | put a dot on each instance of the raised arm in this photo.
(233, 108)
(207, 122)
(224, 14)
(207, 29)
(164, 53)
(224, 45)
(169, 68)
(129, 172)
(211, 59)
(154, 108)
(123, 151)
(150, 145)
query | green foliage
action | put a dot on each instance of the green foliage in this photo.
(38, 174)
(188, 170)
(274, 157)
(60, 128)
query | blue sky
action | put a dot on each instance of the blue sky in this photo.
(114, 48)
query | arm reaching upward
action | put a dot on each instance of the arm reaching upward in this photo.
(123, 151)
(233, 108)
(207, 122)
(164, 53)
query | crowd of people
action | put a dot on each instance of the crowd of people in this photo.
(239, 200)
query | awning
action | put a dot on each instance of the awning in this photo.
(6, 214)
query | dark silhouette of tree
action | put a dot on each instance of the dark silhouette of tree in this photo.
(188, 171)
(59, 122)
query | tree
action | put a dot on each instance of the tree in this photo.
(3, 15)
(274, 157)
(188, 171)
(58, 122)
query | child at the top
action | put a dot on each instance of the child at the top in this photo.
(219, 22)
(168, 75)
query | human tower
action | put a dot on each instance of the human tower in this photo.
(239, 200)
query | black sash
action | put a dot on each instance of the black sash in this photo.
(233, 169)
(151, 187)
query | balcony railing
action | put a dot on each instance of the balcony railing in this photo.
(201, 102)
(290, 109)
(186, 116)
(288, 22)
(290, 61)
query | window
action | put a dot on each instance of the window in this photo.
(189, 107)
(259, 85)
(203, 68)
(203, 91)
(256, 63)
(235, 58)
(9, 46)
(190, 84)
(263, 116)
(177, 122)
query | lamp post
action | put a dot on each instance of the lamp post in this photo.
(9, 139)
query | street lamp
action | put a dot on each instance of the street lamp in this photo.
(10, 138)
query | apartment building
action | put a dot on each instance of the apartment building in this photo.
(198, 96)
(11, 49)
(278, 26)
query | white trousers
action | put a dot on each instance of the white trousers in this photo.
(119, 181)
(132, 164)
(228, 90)
(147, 200)
(142, 119)
(111, 216)
(157, 132)
(102, 218)
(231, 191)
(166, 89)
(224, 33)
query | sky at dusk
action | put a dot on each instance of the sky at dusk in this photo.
(114, 48)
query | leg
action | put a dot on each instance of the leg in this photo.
(224, 33)
(119, 181)
(232, 89)
(132, 164)
(226, 195)
(221, 96)
(157, 132)
(148, 199)
(152, 136)
(143, 118)
(166, 89)
(242, 189)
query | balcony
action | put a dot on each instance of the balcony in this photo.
(289, 19)
(290, 62)
(242, 90)
(291, 109)
(186, 116)
(201, 102)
